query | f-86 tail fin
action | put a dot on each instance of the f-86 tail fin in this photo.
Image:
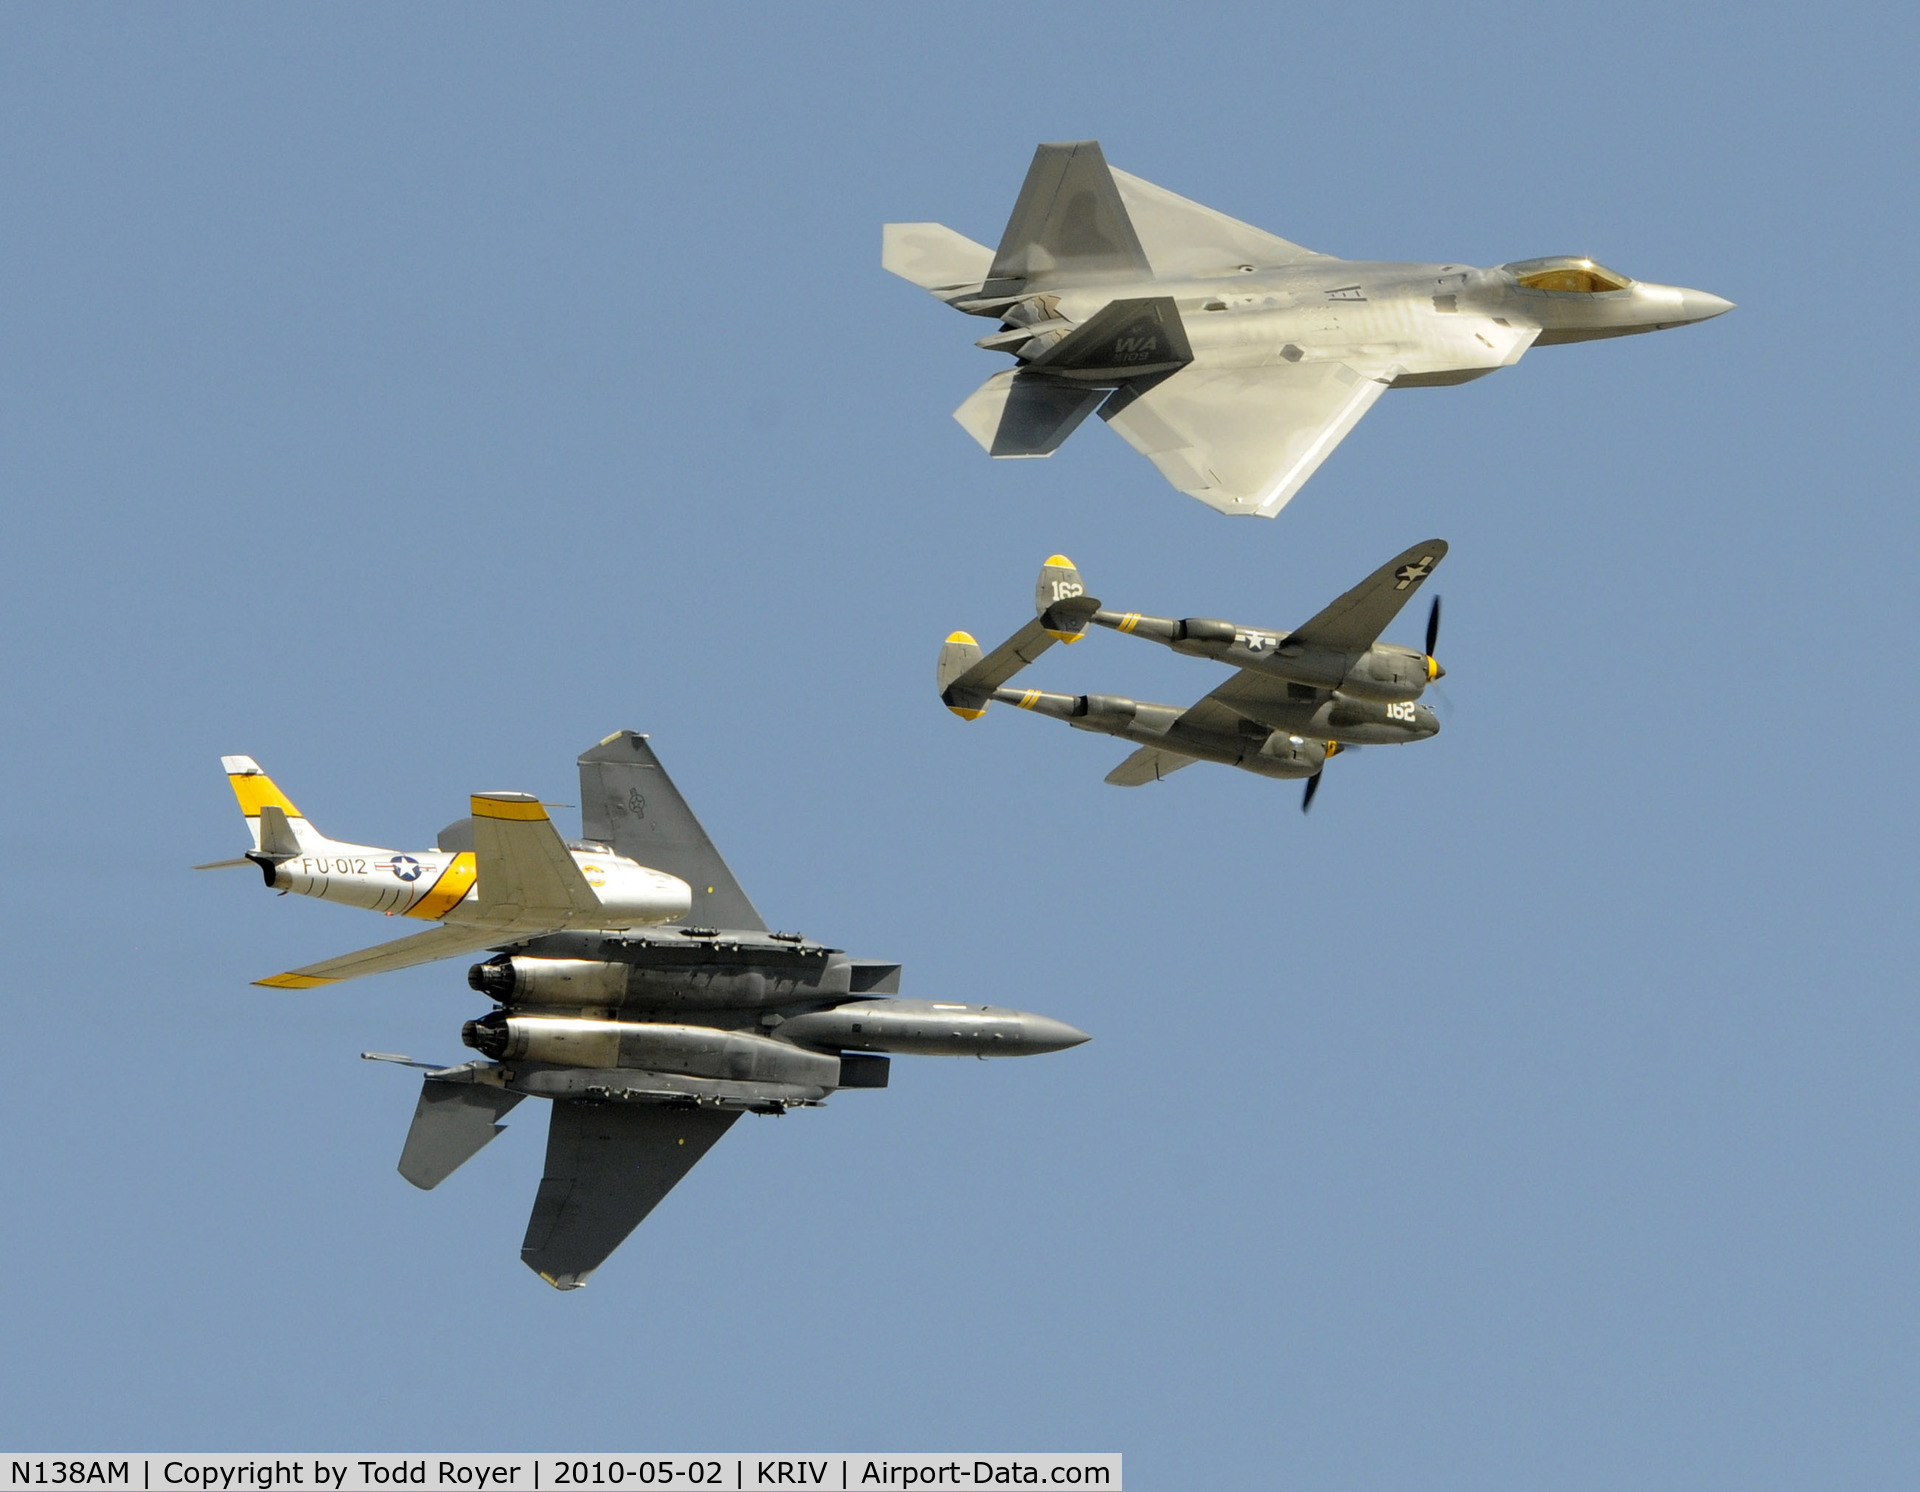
(278, 828)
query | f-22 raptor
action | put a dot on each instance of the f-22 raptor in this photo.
(635, 987)
(1232, 359)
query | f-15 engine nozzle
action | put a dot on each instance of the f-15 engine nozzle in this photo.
(494, 979)
(521, 980)
(488, 1035)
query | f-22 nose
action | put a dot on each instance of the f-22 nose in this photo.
(1698, 305)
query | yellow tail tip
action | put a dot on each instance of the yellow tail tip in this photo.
(518, 807)
(965, 637)
(1060, 561)
(966, 714)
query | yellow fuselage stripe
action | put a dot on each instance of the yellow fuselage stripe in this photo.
(447, 892)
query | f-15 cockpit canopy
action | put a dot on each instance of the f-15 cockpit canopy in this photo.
(1568, 275)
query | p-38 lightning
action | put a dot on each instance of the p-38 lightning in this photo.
(1296, 699)
(1235, 361)
(635, 987)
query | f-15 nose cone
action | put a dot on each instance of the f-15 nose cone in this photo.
(1698, 305)
(1042, 1033)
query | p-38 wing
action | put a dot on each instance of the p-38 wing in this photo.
(1354, 621)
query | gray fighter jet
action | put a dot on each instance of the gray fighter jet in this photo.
(1235, 361)
(1297, 698)
(650, 1041)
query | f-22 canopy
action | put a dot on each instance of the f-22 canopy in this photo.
(1231, 358)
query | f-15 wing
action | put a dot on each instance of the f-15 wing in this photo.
(608, 1166)
(1355, 621)
(1244, 440)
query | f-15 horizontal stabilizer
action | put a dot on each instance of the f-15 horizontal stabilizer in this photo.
(1069, 220)
(1016, 414)
(451, 1124)
(627, 800)
(608, 1166)
(1148, 764)
(933, 256)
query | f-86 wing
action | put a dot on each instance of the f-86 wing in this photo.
(448, 941)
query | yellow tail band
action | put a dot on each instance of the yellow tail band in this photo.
(518, 808)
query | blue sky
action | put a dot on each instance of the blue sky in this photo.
(408, 396)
